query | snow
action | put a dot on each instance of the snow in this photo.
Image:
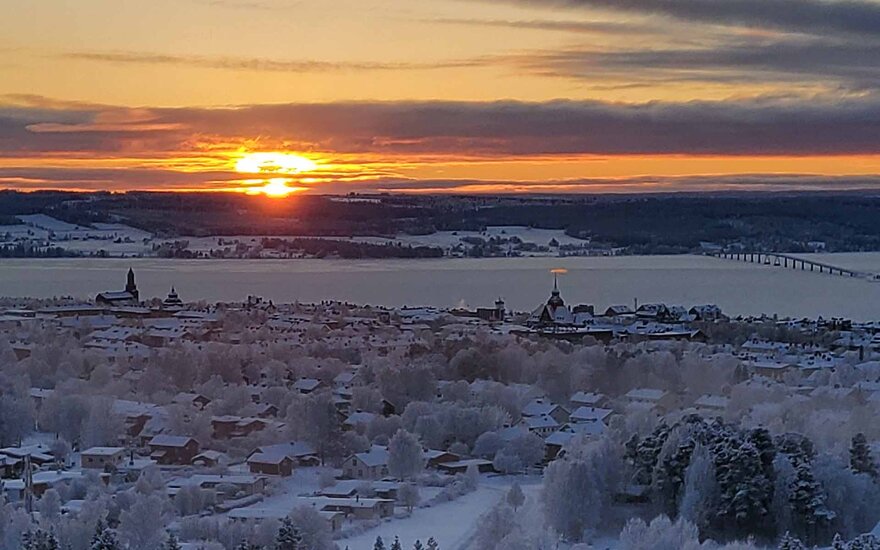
(452, 524)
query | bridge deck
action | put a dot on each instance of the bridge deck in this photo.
(757, 257)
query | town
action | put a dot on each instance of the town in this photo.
(211, 425)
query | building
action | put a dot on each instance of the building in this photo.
(173, 449)
(102, 458)
(372, 464)
(173, 301)
(273, 464)
(129, 296)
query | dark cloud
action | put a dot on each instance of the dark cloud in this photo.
(464, 129)
(804, 16)
(845, 64)
(579, 27)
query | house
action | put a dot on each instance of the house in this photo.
(266, 410)
(711, 405)
(540, 425)
(358, 421)
(435, 458)
(583, 415)
(196, 400)
(273, 464)
(588, 399)
(173, 449)
(102, 458)
(619, 311)
(461, 466)
(307, 385)
(372, 464)
(661, 400)
(210, 459)
(555, 443)
(226, 485)
(544, 407)
(356, 508)
(708, 312)
(301, 452)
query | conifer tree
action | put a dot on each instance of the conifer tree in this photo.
(860, 458)
(396, 544)
(288, 536)
(432, 544)
(379, 545)
(172, 543)
(418, 545)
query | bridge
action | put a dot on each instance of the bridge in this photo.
(788, 261)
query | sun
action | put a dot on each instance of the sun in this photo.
(274, 163)
(276, 188)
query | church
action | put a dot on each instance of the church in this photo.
(555, 314)
(129, 296)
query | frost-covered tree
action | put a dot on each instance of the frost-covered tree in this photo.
(788, 542)
(379, 544)
(418, 545)
(432, 544)
(49, 507)
(314, 529)
(574, 495)
(494, 526)
(660, 534)
(395, 545)
(141, 526)
(408, 494)
(698, 497)
(515, 496)
(405, 455)
(104, 539)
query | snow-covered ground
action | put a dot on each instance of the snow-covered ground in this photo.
(113, 238)
(440, 239)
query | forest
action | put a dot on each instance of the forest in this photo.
(637, 224)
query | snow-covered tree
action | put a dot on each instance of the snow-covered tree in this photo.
(142, 526)
(515, 496)
(408, 494)
(860, 458)
(288, 536)
(405, 455)
(698, 497)
(395, 545)
(379, 544)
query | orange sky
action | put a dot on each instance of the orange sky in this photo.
(103, 94)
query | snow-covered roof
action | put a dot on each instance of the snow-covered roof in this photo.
(376, 456)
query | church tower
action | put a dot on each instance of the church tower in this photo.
(130, 285)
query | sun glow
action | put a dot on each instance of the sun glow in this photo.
(274, 163)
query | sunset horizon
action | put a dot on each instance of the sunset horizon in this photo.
(445, 96)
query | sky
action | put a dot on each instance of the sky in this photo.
(457, 96)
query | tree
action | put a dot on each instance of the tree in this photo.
(49, 507)
(788, 542)
(104, 539)
(515, 496)
(39, 540)
(288, 536)
(432, 544)
(409, 496)
(575, 494)
(171, 542)
(405, 455)
(396, 544)
(379, 545)
(860, 458)
(313, 529)
(141, 525)
(699, 488)
(418, 545)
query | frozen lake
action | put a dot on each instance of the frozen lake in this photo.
(739, 288)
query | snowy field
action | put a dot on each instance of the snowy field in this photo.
(440, 239)
(115, 239)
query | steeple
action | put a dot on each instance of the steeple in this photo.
(555, 297)
(130, 285)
